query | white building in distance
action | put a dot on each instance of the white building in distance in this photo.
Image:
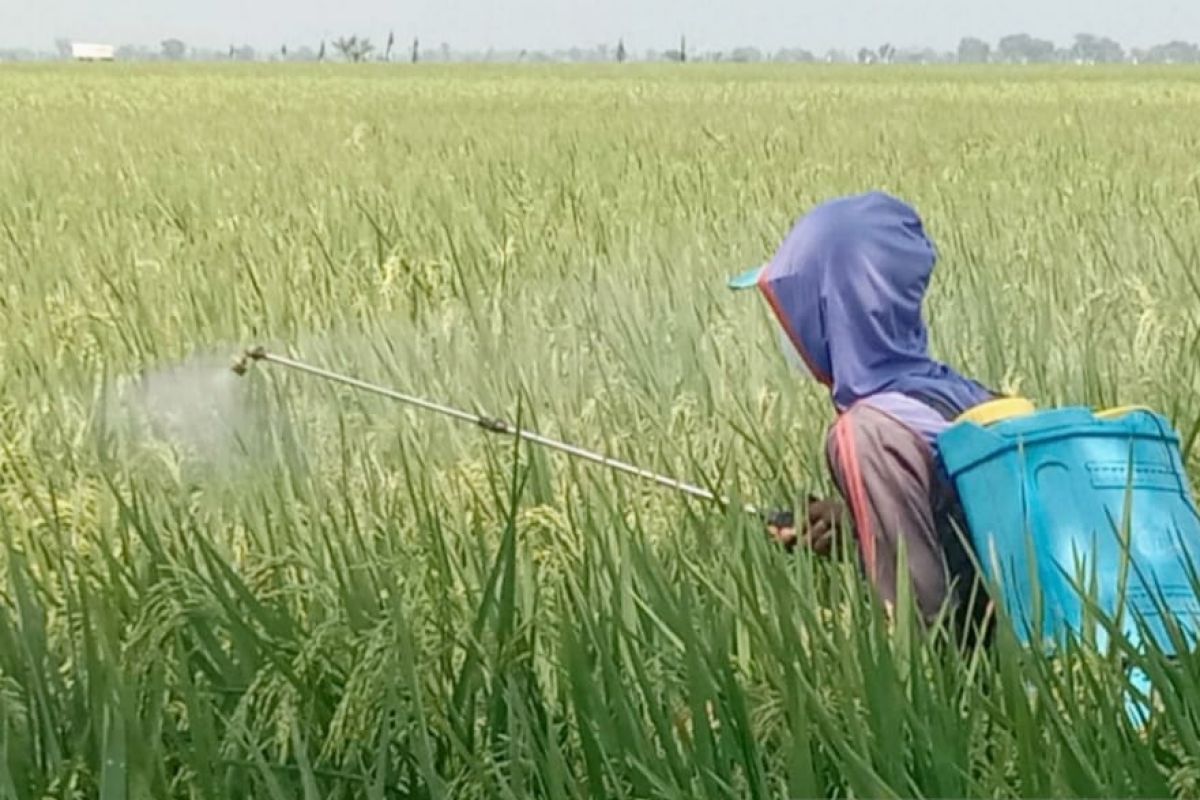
(82, 51)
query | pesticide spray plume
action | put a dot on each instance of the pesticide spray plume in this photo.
(194, 416)
(491, 424)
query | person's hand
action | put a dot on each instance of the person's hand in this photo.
(782, 527)
(822, 524)
(825, 520)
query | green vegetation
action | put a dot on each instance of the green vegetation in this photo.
(344, 598)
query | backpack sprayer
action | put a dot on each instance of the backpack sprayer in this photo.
(497, 425)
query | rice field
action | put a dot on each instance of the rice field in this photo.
(274, 587)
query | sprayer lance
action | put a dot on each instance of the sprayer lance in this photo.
(490, 424)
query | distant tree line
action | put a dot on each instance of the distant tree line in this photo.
(1017, 48)
(1021, 48)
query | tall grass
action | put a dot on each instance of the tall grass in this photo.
(365, 601)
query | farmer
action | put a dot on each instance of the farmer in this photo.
(846, 288)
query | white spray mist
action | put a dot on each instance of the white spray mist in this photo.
(200, 409)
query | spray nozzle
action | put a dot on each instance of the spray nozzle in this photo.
(242, 362)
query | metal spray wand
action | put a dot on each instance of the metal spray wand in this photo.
(490, 424)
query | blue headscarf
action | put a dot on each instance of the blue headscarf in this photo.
(847, 285)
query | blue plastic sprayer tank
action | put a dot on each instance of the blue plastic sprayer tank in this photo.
(1056, 500)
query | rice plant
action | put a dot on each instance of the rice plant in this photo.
(275, 587)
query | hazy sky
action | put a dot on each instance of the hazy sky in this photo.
(478, 24)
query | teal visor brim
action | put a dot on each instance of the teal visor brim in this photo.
(747, 279)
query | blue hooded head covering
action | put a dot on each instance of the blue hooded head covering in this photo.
(846, 286)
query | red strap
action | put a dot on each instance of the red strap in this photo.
(856, 492)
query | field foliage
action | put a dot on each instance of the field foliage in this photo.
(274, 587)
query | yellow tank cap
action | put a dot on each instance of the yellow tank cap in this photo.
(997, 410)
(1120, 411)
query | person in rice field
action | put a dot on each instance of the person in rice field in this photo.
(846, 288)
